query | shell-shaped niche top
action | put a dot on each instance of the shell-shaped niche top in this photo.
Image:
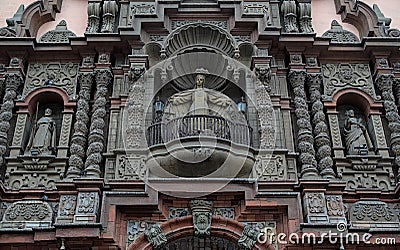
(200, 36)
(340, 35)
(60, 35)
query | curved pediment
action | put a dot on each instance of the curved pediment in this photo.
(200, 36)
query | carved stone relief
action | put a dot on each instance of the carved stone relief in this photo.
(62, 75)
(335, 208)
(134, 229)
(315, 207)
(202, 213)
(305, 20)
(248, 238)
(141, 9)
(289, 12)
(60, 35)
(270, 169)
(256, 9)
(339, 35)
(265, 227)
(179, 23)
(373, 214)
(155, 236)
(346, 75)
(66, 209)
(130, 168)
(27, 214)
(87, 206)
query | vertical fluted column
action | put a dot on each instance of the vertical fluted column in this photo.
(93, 23)
(110, 10)
(79, 136)
(385, 82)
(322, 139)
(13, 81)
(305, 137)
(96, 134)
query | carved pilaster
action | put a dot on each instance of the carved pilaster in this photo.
(321, 132)
(305, 136)
(289, 12)
(13, 81)
(385, 82)
(93, 24)
(86, 207)
(18, 135)
(110, 9)
(315, 207)
(305, 18)
(79, 137)
(96, 134)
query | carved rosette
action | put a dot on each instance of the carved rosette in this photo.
(321, 132)
(202, 214)
(13, 81)
(93, 24)
(289, 11)
(110, 9)
(385, 82)
(248, 238)
(96, 134)
(79, 137)
(305, 18)
(305, 135)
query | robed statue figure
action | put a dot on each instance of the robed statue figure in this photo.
(43, 136)
(356, 135)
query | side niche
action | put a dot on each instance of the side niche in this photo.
(38, 154)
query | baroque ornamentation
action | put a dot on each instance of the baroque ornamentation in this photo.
(257, 10)
(134, 228)
(155, 236)
(305, 19)
(385, 83)
(202, 213)
(305, 136)
(93, 24)
(265, 114)
(60, 35)
(62, 75)
(270, 169)
(142, 9)
(87, 203)
(339, 35)
(96, 135)
(79, 136)
(289, 11)
(131, 168)
(12, 81)
(321, 133)
(248, 238)
(315, 202)
(67, 206)
(263, 73)
(372, 211)
(346, 75)
(177, 212)
(334, 204)
(179, 23)
(356, 135)
(110, 10)
(27, 214)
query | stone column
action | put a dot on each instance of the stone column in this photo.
(93, 24)
(13, 81)
(305, 137)
(96, 134)
(110, 9)
(79, 137)
(385, 82)
(321, 132)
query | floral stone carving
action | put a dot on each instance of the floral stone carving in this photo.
(202, 213)
(27, 214)
(248, 238)
(339, 35)
(61, 75)
(346, 75)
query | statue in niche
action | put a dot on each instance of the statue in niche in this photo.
(43, 136)
(356, 135)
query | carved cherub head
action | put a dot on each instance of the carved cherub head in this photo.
(48, 112)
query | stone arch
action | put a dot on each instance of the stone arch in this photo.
(182, 227)
(35, 15)
(355, 98)
(51, 94)
(361, 16)
(200, 36)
